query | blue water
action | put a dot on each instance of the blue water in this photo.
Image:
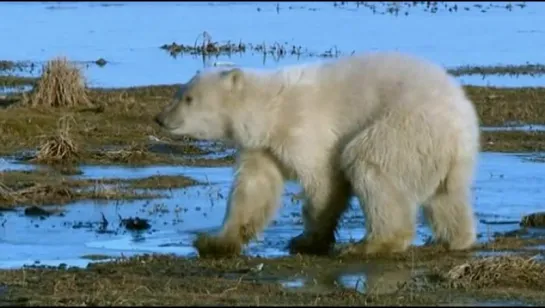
(507, 187)
(128, 35)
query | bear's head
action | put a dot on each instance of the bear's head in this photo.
(201, 107)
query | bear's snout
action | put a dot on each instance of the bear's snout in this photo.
(160, 119)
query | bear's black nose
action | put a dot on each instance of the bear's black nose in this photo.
(159, 119)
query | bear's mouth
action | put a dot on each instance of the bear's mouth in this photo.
(164, 126)
(162, 121)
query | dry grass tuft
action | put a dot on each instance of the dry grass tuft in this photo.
(535, 220)
(59, 148)
(130, 155)
(7, 195)
(100, 190)
(35, 194)
(498, 271)
(62, 84)
(62, 193)
(39, 190)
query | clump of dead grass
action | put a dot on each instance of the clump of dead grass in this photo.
(498, 271)
(61, 84)
(535, 220)
(103, 191)
(131, 155)
(6, 194)
(34, 194)
(65, 192)
(59, 148)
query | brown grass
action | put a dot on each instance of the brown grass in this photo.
(35, 194)
(170, 280)
(58, 191)
(7, 195)
(535, 220)
(61, 84)
(123, 120)
(64, 193)
(513, 141)
(130, 155)
(18, 188)
(498, 271)
(59, 148)
(163, 182)
(496, 106)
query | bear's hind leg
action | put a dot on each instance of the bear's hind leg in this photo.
(449, 211)
(254, 199)
(390, 216)
(390, 211)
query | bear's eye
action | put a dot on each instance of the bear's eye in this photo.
(188, 100)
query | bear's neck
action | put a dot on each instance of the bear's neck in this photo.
(252, 128)
(254, 124)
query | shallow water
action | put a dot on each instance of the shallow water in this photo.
(128, 35)
(374, 279)
(507, 187)
(503, 80)
(361, 278)
(524, 128)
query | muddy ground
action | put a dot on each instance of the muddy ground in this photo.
(422, 276)
(118, 129)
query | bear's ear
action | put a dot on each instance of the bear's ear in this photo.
(233, 78)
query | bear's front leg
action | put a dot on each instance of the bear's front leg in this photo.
(327, 197)
(253, 200)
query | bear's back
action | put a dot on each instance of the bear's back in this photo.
(383, 79)
(352, 91)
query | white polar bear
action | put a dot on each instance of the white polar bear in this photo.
(395, 130)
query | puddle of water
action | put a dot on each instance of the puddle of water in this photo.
(486, 254)
(3, 290)
(293, 284)
(364, 279)
(384, 282)
(525, 128)
(491, 303)
(541, 248)
(4, 91)
(13, 165)
(214, 175)
(128, 36)
(507, 187)
(503, 80)
(373, 279)
(76, 262)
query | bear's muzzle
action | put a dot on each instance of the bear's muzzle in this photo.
(160, 119)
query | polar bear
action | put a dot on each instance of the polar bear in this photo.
(390, 128)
